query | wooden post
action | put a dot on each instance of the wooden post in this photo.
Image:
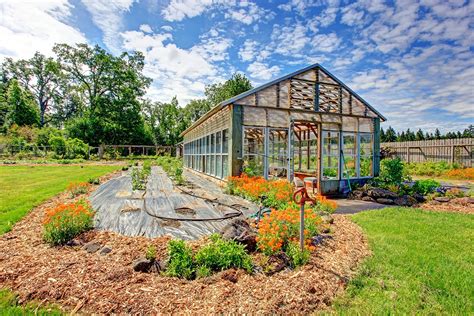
(235, 140)
(452, 153)
(376, 156)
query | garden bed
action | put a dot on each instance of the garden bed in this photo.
(101, 279)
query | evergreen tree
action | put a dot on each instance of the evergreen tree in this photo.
(390, 135)
(382, 136)
(437, 134)
(22, 109)
(420, 135)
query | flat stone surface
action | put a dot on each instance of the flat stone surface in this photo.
(345, 206)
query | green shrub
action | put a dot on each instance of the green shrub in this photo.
(297, 257)
(180, 263)
(391, 173)
(76, 148)
(65, 221)
(203, 272)
(223, 254)
(425, 186)
(58, 144)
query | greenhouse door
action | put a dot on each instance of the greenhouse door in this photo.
(277, 153)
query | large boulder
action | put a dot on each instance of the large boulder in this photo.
(357, 194)
(385, 201)
(368, 199)
(240, 231)
(142, 265)
(377, 193)
(419, 197)
(405, 200)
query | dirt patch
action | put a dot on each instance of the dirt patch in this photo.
(106, 283)
(461, 205)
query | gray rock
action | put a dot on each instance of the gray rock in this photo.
(419, 197)
(368, 199)
(142, 265)
(328, 219)
(443, 199)
(405, 200)
(240, 231)
(92, 246)
(357, 194)
(105, 250)
(74, 243)
(157, 266)
(377, 193)
(384, 201)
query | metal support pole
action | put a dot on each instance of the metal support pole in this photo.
(302, 226)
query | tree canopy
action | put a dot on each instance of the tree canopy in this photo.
(98, 97)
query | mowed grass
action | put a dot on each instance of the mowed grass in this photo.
(422, 263)
(24, 187)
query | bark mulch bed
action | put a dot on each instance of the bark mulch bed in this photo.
(97, 283)
(459, 205)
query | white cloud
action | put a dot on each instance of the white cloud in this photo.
(145, 28)
(248, 52)
(26, 27)
(289, 40)
(167, 28)
(326, 42)
(248, 13)
(177, 10)
(177, 71)
(260, 70)
(107, 16)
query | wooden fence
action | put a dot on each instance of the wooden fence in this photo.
(457, 150)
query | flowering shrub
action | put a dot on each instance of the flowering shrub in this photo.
(278, 192)
(65, 221)
(465, 174)
(78, 188)
(281, 227)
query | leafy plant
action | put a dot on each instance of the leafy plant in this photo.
(65, 221)
(77, 188)
(181, 263)
(151, 253)
(391, 173)
(454, 193)
(297, 256)
(425, 187)
(223, 254)
(173, 167)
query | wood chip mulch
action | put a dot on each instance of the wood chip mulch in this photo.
(460, 205)
(93, 283)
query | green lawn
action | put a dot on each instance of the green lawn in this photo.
(422, 263)
(23, 187)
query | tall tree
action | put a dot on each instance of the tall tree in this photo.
(420, 135)
(390, 135)
(41, 76)
(437, 134)
(22, 109)
(111, 88)
(195, 109)
(218, 92)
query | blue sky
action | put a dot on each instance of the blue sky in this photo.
(413, 61)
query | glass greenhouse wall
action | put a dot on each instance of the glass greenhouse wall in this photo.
(306, 125)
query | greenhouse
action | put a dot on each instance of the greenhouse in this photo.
(307, 125)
